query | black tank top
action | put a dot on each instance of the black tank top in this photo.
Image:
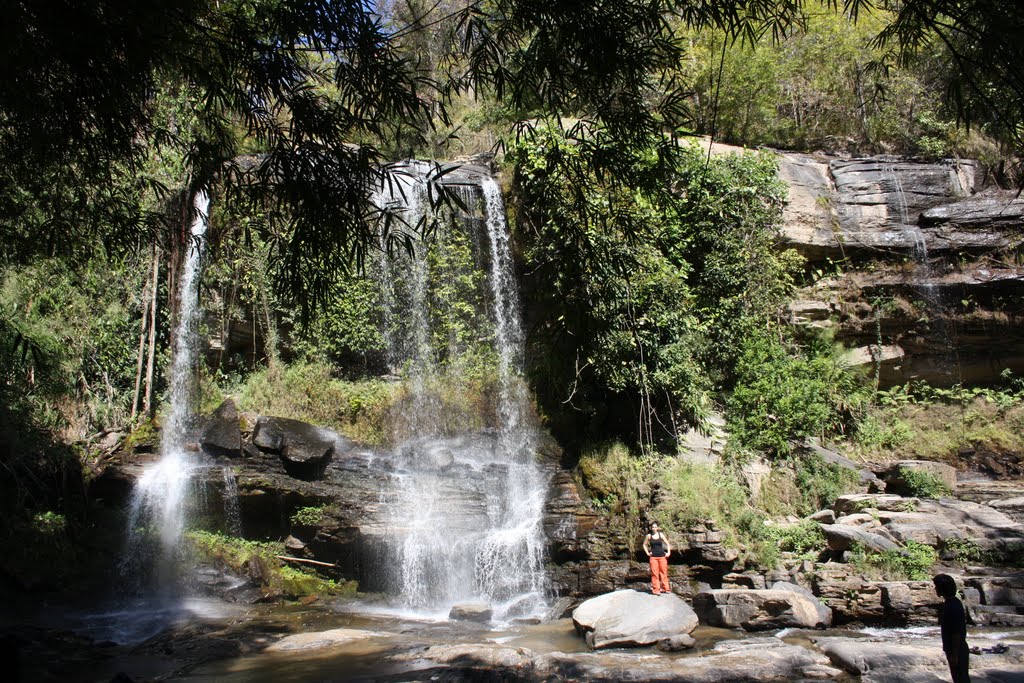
(658, 546)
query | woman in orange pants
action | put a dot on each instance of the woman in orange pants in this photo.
(658, 550)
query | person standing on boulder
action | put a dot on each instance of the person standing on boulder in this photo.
(953, 623)
(658, 550)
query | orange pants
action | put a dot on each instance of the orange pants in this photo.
(659, 574)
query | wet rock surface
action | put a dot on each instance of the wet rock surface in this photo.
(473, 611)
(356, 648)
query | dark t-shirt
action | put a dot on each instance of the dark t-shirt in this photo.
(953, 623)
(657, 546)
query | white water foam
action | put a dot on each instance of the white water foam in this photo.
(463, 512)
(161, 494)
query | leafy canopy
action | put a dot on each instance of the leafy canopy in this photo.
(288, 104)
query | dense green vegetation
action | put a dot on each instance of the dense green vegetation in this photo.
(828, 85)
(645, 294)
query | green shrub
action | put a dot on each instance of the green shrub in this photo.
(923, 484)
(820, 483)
(965, 550)
(786, 392)
(618, 483)
(882, 432)
(913, 562)
(294, 582)
(805, 539)
(232, 551)
(692, 493)
(50, 524)
(308, 516)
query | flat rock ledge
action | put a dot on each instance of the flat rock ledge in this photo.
(318, 640)
(883, 661)
(747, 661)
(629, 618)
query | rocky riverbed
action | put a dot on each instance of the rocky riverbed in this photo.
(356, 641)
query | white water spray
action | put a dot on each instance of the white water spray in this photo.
(465, 512)
(160, 495)
(512, 556)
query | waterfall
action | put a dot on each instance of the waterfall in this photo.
(403, 284)
(507, 321)
(232, 509)
(512, 558)
(464, 510)
(160, 495)
(924, 283)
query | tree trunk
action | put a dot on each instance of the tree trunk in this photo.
(142, 340)
(147, 403)
(862, 105)
(270, 341)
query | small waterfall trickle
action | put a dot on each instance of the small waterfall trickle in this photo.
(925, 284)
(159, 500)
(232, 509)
(464, 510)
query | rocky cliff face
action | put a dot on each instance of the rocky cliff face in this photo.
(921, 275)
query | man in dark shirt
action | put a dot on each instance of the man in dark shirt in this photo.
(953, 622)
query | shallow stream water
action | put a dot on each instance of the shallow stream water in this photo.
(208, 640)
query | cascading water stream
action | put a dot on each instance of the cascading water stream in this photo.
(464, 512)
(508, 330)
(160, 496)
(232, 509)
(512, 556)
(925, 284)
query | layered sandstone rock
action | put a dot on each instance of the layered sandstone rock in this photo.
(922, 250)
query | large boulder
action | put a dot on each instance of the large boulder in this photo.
(632, 618)
(747, 660)
(866, 477)
(471, 611)
(824, 612)
(222, 435)
(758, 610)
(305, 450)
(885, 502)
(841, 537)
(886, 518)
(896, 477)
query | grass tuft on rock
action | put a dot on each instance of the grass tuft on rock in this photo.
(260, 563)
(913, 562)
